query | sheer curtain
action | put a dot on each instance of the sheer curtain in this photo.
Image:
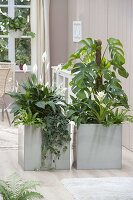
(41, 42)
(46, 7)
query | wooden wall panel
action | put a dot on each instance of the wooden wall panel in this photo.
(72, 16)
(119, 26)
(131, 75)
(93, 14)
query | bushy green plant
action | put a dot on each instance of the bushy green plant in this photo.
(41, 106)
(98, 93)
(22, 59)
(17, 23)
(35, 98)
(13, 188)
(23, 51)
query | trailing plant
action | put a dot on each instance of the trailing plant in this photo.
(13, 188)
(98, 93)
(41, 106)
(55, 135)
(17, 23)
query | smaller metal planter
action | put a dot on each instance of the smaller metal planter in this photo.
(99, 147)
(29, 147)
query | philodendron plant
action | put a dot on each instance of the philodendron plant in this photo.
(98, 93)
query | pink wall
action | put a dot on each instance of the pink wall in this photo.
(58, 31)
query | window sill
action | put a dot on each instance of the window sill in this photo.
(21, 71)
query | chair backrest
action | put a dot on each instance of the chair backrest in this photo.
(4, 72)
(10, 81)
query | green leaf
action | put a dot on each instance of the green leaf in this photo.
(122, 72)
(15, 108)
(81, 94)
(113, 41)
(41, 104)
(78, 67)
(67, 65)
(52, 105)
(87, 42)
(29, 33)
(70, 113)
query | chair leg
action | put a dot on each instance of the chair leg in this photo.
(7, 114)
(2, 114)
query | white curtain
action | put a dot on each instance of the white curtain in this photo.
(47, 71)
(38, 45)
(41, 42)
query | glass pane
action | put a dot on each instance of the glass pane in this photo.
(22, 2)
(3, 31)
(3, 2)
(3, 49)
(23, 51)
(24, 12)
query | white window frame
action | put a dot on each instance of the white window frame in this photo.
(11, 37)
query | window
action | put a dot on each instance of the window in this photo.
(13, 46)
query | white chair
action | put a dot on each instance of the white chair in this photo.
(7, 84)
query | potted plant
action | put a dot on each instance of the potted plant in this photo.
(43, 134)
(21, 59)
(18, 24)
(99, 104)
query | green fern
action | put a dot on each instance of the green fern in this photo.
(13, 188)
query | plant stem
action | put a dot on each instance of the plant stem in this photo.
(104, 51)
(98, 62)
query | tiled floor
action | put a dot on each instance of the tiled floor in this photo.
(51, 185)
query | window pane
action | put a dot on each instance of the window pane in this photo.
(3, 2)
(24, 12)
(23, 51)
(2, 29)
(3, 49)
(22, 2)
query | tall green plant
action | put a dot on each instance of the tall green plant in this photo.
(16, 189)
(93, 73)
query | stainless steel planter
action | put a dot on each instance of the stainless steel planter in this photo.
(99, 147)
(29, 151)
(29, 147)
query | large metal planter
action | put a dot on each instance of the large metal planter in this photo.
(29, 147)
(99, 147)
